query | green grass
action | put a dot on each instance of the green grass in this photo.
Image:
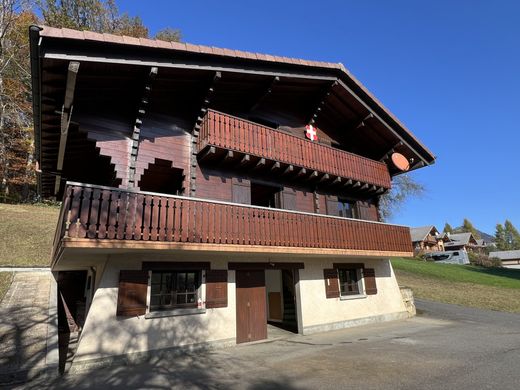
(5, 281)
(26, 234)
(487, 288)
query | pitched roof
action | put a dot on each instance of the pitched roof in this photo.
(420, 233)
(66, 33)
(506, 255)
(460, 239)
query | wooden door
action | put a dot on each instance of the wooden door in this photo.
(251, 306)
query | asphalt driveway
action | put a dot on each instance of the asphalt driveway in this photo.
(445, 347)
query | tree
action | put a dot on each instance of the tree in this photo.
(169, 34)
(511, 236)
(93, 15)
(447, 228)
(16, 142)
(468, 227)
(500, 238)
(403, 187)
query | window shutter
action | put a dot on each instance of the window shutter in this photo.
(216, 288)
(331, 283)
(289, 199)
(131, 298)
(332, 205)
(370, 281)
(241, 192)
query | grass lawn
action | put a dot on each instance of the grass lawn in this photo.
(487, 288)
(27, 232)
(5, 281)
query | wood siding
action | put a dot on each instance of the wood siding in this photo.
(232, 133)
(103, 213)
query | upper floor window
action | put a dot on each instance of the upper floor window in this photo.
(265, 195)
(347, 208)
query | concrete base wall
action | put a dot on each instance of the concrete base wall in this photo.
(106, 338)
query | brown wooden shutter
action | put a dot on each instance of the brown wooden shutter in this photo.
(331, 283)
(131, 297)
(332, 205)
(241, 191)
(216, 288)
(370, 281)
(367, 211)
(289, 199)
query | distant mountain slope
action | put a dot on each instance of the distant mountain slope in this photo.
(486, 237)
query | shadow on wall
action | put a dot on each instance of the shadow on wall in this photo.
(315, 271)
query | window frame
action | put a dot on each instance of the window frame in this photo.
(353, 207)
(361, 293)
(174, 309)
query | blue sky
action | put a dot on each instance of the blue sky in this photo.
(450, 70)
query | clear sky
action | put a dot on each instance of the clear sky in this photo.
(450, 70)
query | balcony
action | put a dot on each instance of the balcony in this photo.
(246, 144)
(109, 218)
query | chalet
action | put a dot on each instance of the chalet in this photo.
(208, 192)
(509, 259)
(463, 241)
(428, 239)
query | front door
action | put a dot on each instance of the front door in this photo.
(251, 306)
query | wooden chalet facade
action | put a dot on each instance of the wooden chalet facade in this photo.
(207, 192)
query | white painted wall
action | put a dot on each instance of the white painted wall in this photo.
(106, 335)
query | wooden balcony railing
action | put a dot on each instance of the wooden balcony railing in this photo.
(227, 132)
(104, 213)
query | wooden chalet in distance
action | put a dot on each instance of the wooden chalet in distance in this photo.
(208, 192)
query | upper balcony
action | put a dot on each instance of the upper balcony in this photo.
(104, 218)
(249, 144)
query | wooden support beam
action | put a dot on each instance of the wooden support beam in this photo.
(357, 184)
(136, 132)
(314, 175)
(66, 113)
(321, 103)
(289, 170)
(245, 160)
(348, 183)
(363, 122)
(228, 157)
(325, 178)
(260, 164)
(364, 187)
(275, 167)
(392, 150)
(337, 181)
(302, 172)
(208, 154)
(206, 101)
(265, 94)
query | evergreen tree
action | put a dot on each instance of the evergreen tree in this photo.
(500, 237)
(447, 228)
(512, 236)
(468, 227)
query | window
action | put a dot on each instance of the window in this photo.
(174, 289)
(349, 281)
(265, 195)
(347, 208)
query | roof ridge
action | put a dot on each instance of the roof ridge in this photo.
(64, 32)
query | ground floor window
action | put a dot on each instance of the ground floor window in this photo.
(174, 289)
(350, 281)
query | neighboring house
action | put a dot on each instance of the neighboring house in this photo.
(427, 239)
(509, 259)
(208, 191)
(463, 241)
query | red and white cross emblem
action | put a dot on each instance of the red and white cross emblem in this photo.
(310, 133)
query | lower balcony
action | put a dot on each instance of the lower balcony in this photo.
(96, 217)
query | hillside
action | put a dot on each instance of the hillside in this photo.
(485, 236)
(487, 288)
(27, 232)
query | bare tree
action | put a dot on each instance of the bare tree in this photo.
(403, 188)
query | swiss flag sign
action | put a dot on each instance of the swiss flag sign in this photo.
(310, 133)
